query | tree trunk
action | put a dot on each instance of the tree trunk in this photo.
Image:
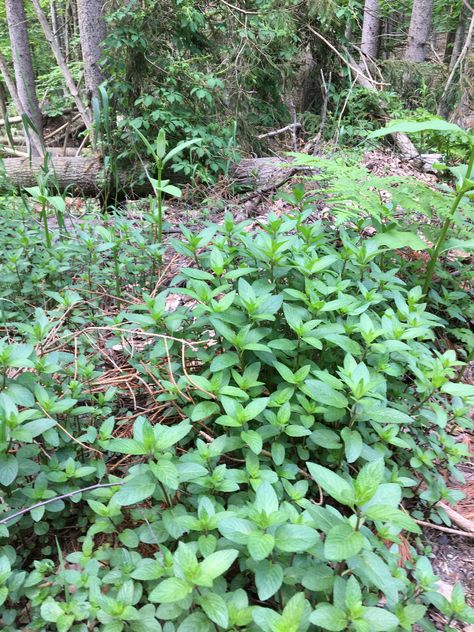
(420, 27)
(54, 18)
(443, 109)
(459, 38)
(55, 47)
(77, 175)
(25, 79)
(11, 87)
(92, 28)
(369, 46)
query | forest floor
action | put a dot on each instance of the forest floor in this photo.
(453, 555)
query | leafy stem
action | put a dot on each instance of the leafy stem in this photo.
(463, 189)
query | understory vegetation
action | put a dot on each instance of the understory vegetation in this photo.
(236, 315)
(237, 428)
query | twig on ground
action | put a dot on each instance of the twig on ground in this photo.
(438, 527)
(43, 503)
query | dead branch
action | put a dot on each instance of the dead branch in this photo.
(457, 518)
(275, 132)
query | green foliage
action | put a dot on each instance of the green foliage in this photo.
(284, 410)
(463, 187)
(199, 72)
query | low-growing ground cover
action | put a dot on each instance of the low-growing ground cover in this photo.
(243, 442)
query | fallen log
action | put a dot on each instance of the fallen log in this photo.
(77, 175)
(259, 172)
(52, 149)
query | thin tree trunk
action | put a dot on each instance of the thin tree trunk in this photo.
(459, 38)
(66, 30)
(11, 87)
(3, 111)
(450, 37)
(443, 107)
(370, 29)
(448, 49)
(420, 27)
(92, 28)
(54, 18)
(24, 75)
(53, 42)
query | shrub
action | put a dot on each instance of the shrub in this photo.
(300, 425)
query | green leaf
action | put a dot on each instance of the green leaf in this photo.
(294, 538)
(255, 407)
(216, 608)
(352, 444)
(292, 615)
(148, 570)
(126, 446)
(332, 484)
(38, 426)
(167, 436)
(224, 361)
(260, 545)
(265, 618)
(166, 472)
(466, 245)
(325, 394)
(413, 127)
(395, 239)
(181, 147)
(236, 529)
(135, 490)
(216, 564)
(368, 479)
(203, 410)
(329, 617)
(8, 469)
(373, 570)
(253, 440)
(51, 610)
(380, 620)
(266, 499)
(194, 622)
(170, 590)
(386, 513)
(342, 542)
(388, 416)
(268, 579)
(411, 614)
(458, 389)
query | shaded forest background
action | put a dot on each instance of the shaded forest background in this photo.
(228, 74)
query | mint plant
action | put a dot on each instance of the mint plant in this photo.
(251, 457)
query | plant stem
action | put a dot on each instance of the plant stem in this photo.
(46, 227)
(446, 226)
(117, 275)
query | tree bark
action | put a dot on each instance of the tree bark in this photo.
(55, 47)
(11, 87)
(459, 38)
(24, 75)
(418, 33)
(93, 31)
(370, 29)
(443, 109)
(77, 175)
